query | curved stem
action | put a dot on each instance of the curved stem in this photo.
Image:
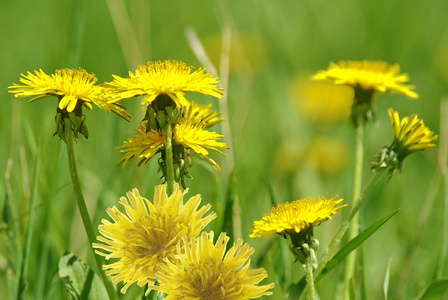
(346, 223)
(169, 176)
(356, 191)
(83, 209)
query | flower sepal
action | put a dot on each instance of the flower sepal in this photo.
(387, 159)
(304, 246)
(74, 121)
(364, 106)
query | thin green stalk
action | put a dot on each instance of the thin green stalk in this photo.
(169, 176)
(443, 149)
(356, 191)
(346, 223)
(309, 279)
(83, 210)
(29, 236)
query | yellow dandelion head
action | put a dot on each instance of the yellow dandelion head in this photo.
(69, 85)
(171, 78)
(193, 136)
(142, 146)
(321, 101)
(148, 234)
(410, 134)
(295, 216)
(204, 271)
(201, 114)
(375, 76)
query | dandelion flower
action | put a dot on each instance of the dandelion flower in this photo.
(148, 234)
(205, 271)
(201, 114)
(143, 145)
(71, 87)
(296, 216)
(410, 134)
(376, 76)
(169, 78)
(192, 136)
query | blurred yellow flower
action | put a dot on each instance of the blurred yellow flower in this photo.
(320, 100)
(169, 78)
(71, 87)
(296, 216)
(148, 234)
(410, 134)
(329, 155)
(376, 76)
(205, 271)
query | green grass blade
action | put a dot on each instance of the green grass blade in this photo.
(12, 247)
(81, 282)
(26, 252)
(353, 244)
(387, 280)
(228, 221)
(296, 289)
(435, 290)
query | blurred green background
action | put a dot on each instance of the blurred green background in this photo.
(273, 143)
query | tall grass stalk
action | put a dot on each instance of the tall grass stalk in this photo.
(443, 151)
(29, 236)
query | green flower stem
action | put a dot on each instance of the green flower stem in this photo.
(169, 176)
(309, 278)
(346, 223)
(83, 209)
(356, 191)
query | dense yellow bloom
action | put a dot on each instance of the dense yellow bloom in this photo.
(376, 76)
(295, 216)
(145, 145)
(410, 134)
(204, 271)
(149, 233)
(169, 78)
(71, 87)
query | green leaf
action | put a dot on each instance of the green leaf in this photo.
(295, 290)
(435, 290)
(353, 244)
(81, 282)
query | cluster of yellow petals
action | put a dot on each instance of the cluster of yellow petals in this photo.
(70, 86)
(295, 216)
(149, 233)
(205, 271)
(171, 78)
(368, 75)
(410, 133)
(189, 133)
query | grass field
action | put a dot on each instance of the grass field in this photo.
(279, 151)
